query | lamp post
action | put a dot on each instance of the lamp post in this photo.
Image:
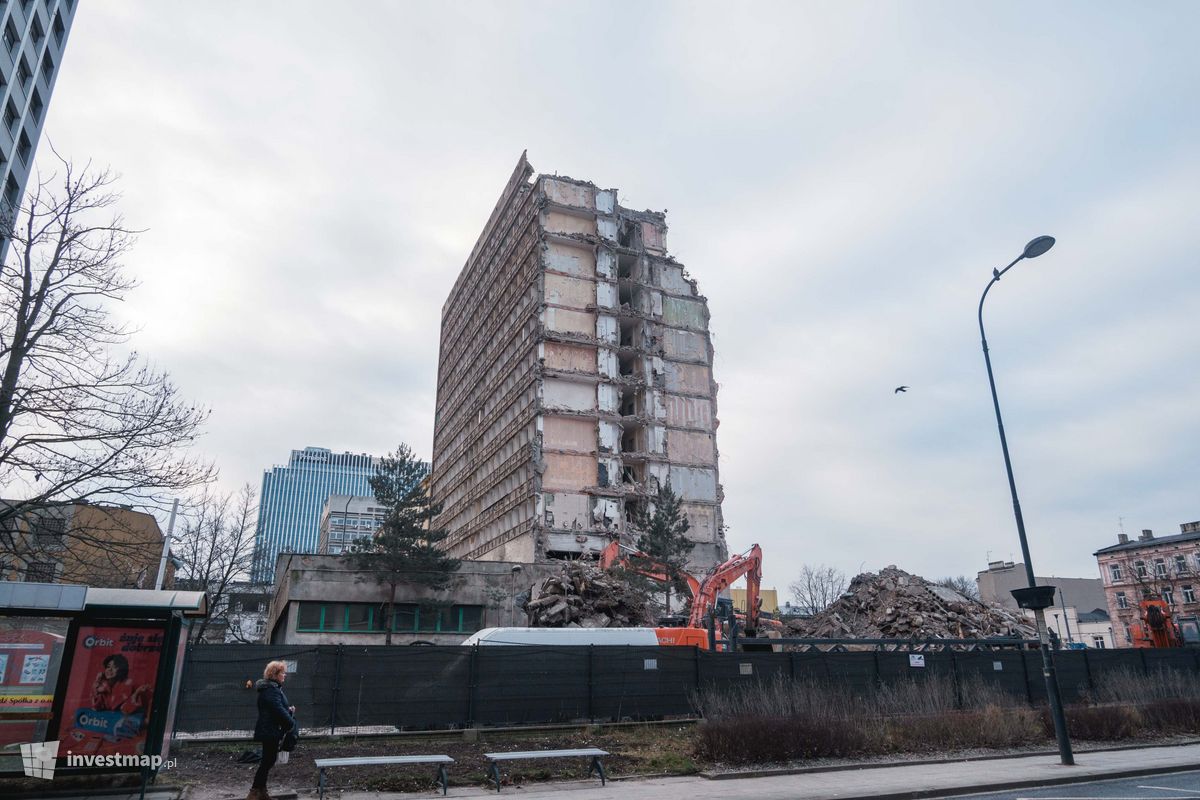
(512, 587)
(1036, 598)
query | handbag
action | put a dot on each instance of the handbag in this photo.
(288, 743)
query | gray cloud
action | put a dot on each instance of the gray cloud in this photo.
(840, 178)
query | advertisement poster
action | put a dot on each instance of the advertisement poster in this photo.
(107, 703)
(30, 649)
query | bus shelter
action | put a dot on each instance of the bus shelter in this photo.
(89, 675)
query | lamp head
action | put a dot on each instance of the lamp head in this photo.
(1038, 246)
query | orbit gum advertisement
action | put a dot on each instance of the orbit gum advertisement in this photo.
(107, 703)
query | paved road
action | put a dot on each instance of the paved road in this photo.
(1176, 786)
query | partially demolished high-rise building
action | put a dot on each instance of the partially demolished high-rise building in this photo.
(575, 377)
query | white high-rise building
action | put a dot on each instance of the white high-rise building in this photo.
(34, 35)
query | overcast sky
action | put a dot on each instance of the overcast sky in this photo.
(840, 178)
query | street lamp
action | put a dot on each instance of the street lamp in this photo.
(1037, 598)
(512, 606)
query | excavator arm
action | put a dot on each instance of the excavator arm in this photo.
(748, 564)
(617, 554)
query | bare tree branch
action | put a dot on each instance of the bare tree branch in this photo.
(80, 419)
(817, 588)
(215, 551)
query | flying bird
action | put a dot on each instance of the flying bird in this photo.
(900, 389)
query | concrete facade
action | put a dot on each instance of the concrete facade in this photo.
(574, 377)
(484, 595)
(346, 519)
(1001, 577)
(1168, 566)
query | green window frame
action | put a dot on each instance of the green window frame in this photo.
(415, 618)
(406, 618)
(340, 618)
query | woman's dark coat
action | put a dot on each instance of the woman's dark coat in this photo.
(274, 718)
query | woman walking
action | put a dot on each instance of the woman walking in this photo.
(275, 720)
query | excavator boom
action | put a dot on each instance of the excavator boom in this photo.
(748, 564)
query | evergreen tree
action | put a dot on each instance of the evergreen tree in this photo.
(405, 549)
(662, 538)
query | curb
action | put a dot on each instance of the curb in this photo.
(782, 771)
(982, 788)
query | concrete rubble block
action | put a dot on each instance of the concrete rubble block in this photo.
(583, 595)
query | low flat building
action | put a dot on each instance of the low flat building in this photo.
(1001, 577)
(320, 599)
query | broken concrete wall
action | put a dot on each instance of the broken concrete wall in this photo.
(577, 261)
(689, 412)
(688, 378)
(569, 433)
(692, 483)
(568, 395)
(565, 471)
(691, 447)
(685, 313)
(568, 357)
(559, 222)
(685, 345)
(575, 292)
(562, 320)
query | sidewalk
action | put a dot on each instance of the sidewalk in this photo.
(903, 781)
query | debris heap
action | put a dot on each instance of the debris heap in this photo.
(895, 604)
(584, 596)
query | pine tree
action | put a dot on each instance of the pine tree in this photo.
(662, 538)
(405, 548)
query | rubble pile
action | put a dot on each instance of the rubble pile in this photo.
(584, 596)
(894, 604)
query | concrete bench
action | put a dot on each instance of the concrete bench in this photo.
(325, 763)
(594, 753)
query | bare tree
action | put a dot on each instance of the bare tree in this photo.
(215, 551)
(82, 418)
(817, 588)
(965, 586)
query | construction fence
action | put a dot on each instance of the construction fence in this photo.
(419, 688)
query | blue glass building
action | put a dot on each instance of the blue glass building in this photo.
(289, 507)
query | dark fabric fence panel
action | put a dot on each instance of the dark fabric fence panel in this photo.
(724, 670)
(928, 666)
(1073, 678)
(1173, 659)
(981, 673)
(411, 688)
(528, 685)
(642, 682)
(857, 672)
(414, 688)
(214, 695)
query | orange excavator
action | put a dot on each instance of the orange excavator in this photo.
(1155, 627)
(704, 592)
